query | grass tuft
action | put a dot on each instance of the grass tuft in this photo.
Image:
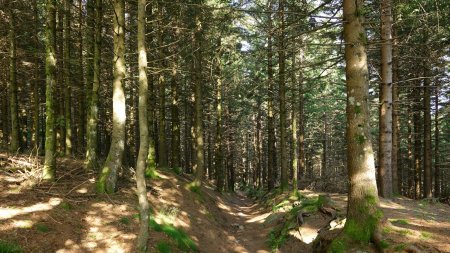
(66, 206)
(125, 220)
(399, 247)
(163, 247)
(183, 241)
(9, 247)
(400, 222)
(41, 227)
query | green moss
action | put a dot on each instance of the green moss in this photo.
(9, 247)
(360, 139)
(194, 187)
(399, 247)
(337, 246)
(403, 232)
(177, 170)
(425, 235)
(357, 109)
(163, 247)
(151, 173)
(384, 244)
(363, 231)
(387, 230)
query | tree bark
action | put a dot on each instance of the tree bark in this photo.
(220, 174)
(282, 94)
(271, 165)
(92, 122)
(385, 138)
(363, 213)
(108, 177)
(48, 172)
(143, 131)
(437, 176)
(427, 180)
(12, 84)
(200, 160)
(396, 170)
(67, 78)
(175, 141)
(417, 145)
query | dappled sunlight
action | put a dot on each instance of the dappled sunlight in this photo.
(258, 218)
(10, 212)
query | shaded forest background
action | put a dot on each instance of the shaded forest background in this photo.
(231, 51)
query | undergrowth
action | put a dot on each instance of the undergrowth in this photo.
(182, 240)
(9, 247)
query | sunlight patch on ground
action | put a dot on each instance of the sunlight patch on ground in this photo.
(224, 207)
(258, 219)
(307, 234)
(9, 212)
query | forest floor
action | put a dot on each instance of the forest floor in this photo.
(67, 216)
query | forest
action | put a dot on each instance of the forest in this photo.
(224, 126)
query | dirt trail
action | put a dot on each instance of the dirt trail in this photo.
(247, 224)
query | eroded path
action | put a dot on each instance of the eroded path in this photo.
(246, 219)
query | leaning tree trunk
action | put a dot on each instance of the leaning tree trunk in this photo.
(385, 142)
(48, 172)
(143, 131)
(12, 84)
(108, 177)
(363, 213)
(92, 122)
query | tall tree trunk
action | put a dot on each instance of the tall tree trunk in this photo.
(396, 171)
(294, 116)
(81, 86)
(151, 158)
(220, 174)
(200, 160)
(324, 168)
(427, 180)
(108, 177)
(417, 145)
(12, 84)
(162, 148)
(410, 190)
(175, 141)
(363, 213)
(301, 117)
(67, 77)
(385, 138)
(92, 122)
(271, 165)
(282, 94)
(36, 82)
(143, 131)
(48, 172)
(437, 176)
